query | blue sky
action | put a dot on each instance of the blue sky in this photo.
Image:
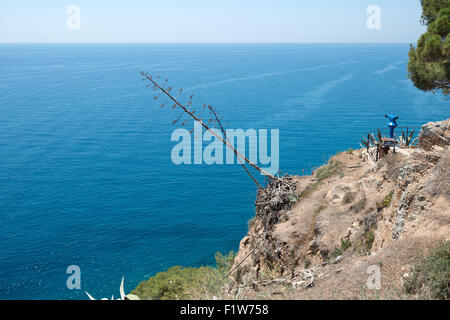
(209, 21)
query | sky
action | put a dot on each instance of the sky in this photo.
(209, 21)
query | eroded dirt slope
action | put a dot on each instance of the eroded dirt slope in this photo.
(349, 215)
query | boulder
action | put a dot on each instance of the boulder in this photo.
(337, 193)
(434, 134)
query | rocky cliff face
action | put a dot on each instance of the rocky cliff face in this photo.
(322, 234)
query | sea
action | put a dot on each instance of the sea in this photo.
(87, 178)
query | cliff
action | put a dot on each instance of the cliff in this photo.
(354, 228)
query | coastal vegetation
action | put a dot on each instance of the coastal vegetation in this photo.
(178, 283)
(339, 250)
(386, 202)
(328, 170)
(430, 278)
(429, 61)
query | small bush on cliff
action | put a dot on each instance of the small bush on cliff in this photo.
(178, 283)
(386, 201)
(328, 170)
(365, 246)
(431, 276)
(338, 251)
(348, 198)
(359, 205)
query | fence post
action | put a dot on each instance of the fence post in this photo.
(368, 142)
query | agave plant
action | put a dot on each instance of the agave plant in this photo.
(406, 138)
(367, 142)
(122, 294)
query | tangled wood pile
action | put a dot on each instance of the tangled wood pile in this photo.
(277, 197)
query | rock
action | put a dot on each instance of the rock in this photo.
(313, 247)
(438, 185)
(404, 278)
(397, 229)
(370, 182)
(337, 260)
(351, 231)
(402, 207)
(371, 220)
(410, 172)
(337, 193)
(434, 133)
(359, 204)
(339, 270)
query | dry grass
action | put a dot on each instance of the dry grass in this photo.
(313, 221)
(328, 170)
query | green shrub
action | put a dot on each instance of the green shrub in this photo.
(313, 186)
(338, 251)
(171, 284)
(350, 151)
(365, 246)
(431, 276)
(386, 201)
(369, 239)
(179, 283)
(345, 244)
(224, 262)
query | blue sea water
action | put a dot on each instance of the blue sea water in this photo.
(86, 176)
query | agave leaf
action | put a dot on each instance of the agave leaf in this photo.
(90, 297)
(122, 291)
